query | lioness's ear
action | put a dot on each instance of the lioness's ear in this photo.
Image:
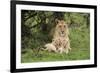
(57, 21)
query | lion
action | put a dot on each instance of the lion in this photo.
(60, 42)
(61, 37)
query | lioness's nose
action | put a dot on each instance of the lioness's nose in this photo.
(62, 32)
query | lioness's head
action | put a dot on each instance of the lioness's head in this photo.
(61, 27)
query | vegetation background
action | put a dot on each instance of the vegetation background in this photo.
(36, 27)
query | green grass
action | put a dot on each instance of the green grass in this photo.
(80, 44)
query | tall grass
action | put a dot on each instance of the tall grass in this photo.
(80, 44)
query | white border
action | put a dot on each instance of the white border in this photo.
(20, 65)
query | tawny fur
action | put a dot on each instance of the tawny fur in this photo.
(50, 47)
(61, 29)
(61, 37)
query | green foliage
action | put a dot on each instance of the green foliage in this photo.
(35, 33)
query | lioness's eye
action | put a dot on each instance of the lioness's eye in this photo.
(64, 26)
(59, 26)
